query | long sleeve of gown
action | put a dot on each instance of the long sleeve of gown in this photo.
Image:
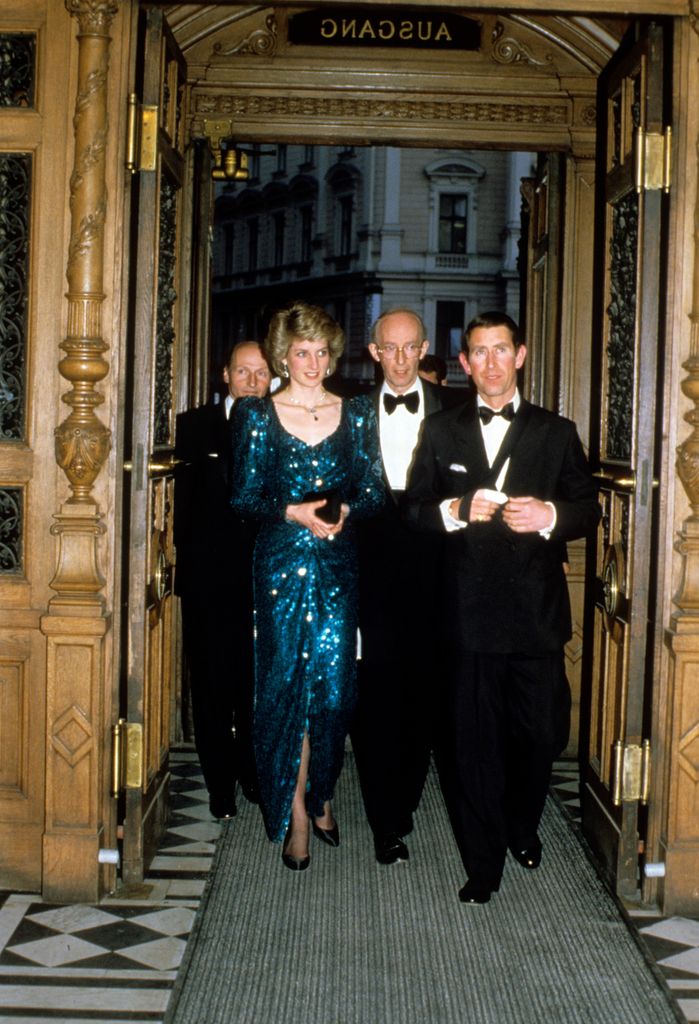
(253, 491)
(368, 492)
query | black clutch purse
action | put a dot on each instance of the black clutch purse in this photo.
(330, 511)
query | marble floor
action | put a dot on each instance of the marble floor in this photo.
(118, 961)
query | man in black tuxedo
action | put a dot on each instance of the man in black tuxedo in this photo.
(213, 578)
(507, 483)
(392, 735)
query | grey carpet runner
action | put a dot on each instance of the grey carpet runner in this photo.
(352, 942)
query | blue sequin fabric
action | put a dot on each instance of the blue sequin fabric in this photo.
(305, 595)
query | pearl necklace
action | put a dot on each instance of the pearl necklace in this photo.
(312, 409)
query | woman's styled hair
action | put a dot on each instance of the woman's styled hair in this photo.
(302, 320)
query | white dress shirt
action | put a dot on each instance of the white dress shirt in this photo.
(493, 435)
(228, 402)
(398, 434)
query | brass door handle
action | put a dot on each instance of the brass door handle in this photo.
(625, 483)
(166, 465)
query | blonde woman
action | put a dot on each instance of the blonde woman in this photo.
(307, 466)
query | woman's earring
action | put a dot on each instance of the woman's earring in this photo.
(285, 370)
(327, 371)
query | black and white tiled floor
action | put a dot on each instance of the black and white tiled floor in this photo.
(118, 961)
(670, 943)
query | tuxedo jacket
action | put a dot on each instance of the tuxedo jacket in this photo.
(398, 567)
(506, 592)
(213, 547)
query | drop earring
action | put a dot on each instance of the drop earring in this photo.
(285, 370)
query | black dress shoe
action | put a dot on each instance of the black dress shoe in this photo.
(331, 836)
(390, 849)
(222, 808)
(293, 863)
(528, 856)
(474, 892)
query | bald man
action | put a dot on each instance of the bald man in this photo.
(213, 578)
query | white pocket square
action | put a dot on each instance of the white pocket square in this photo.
(458, 468)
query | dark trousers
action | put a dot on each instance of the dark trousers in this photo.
(507, 716)
(218, 647)
(392, 741)
(400, 675)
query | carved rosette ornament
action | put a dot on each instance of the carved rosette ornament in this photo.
(82, 440)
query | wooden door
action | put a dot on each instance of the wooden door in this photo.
(542, 295)
(158, 281)
(627, 325)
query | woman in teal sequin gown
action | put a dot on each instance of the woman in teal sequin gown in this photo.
(302, 441)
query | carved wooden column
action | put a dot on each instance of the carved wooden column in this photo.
(680, 887)
(76, 623)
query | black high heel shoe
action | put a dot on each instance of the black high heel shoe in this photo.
(293, 863)
(331, 836)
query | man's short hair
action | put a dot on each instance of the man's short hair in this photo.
(491, 319)
(433, 364)
(422, 330)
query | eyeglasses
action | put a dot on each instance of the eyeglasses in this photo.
(411, 349)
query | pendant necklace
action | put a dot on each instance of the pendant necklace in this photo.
(312, 409)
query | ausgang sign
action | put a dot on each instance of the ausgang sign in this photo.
(377, 26)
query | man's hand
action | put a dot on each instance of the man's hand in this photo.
(483, 508)
(527, 515)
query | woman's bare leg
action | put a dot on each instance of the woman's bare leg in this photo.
(297, 845)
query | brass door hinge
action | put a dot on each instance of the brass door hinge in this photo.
(653, 160)
(631, 779)
(142, 136)
(127, 756)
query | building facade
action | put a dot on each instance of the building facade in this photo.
(363, 229)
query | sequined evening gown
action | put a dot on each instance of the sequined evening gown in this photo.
(305, 595)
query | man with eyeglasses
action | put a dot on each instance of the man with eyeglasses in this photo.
(392, 736)
(507, 484)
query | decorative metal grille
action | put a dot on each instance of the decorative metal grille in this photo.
(11, 517)
(15, 187)
(167, 297)
(17, 69)
(622, 320)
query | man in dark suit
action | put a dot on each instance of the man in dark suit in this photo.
(392, 735)
(507, 484)
(213, 578)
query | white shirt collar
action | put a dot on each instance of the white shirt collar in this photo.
(516, 401)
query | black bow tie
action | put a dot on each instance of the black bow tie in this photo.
(486, 413)
(411, 402)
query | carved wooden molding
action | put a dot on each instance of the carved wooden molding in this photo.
(507, 49)
(262, 42)
(82, 440)
(688, 452)
(360, 109)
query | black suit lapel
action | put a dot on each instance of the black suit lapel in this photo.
(468, 441)
(432, 398)
(221, 439)
(512, 439)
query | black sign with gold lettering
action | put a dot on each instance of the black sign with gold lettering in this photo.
(384, 26)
